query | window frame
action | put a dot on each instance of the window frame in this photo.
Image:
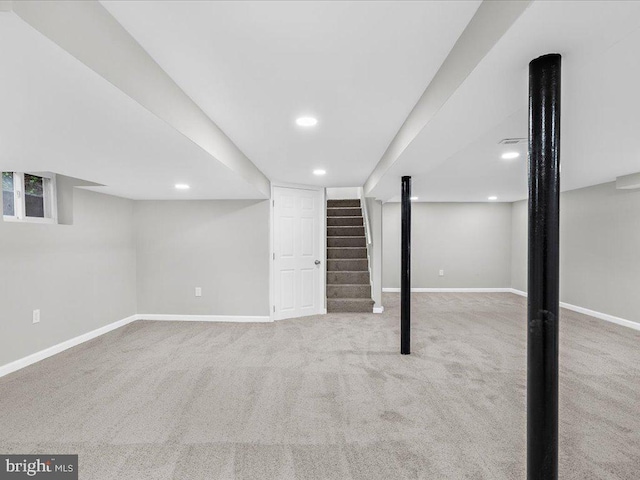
(49, 194)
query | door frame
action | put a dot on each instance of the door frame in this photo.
(322, 241)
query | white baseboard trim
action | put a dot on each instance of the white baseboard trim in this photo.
(204, 318)
(61, 347)
(592, 313)
(451, 290)
(379, 309)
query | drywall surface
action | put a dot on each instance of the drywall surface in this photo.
(98, 40)
(519, 245)
(471, 242)
(81, 277)
(599, 254)
(343, 193)
(221, 246)
(374, 207)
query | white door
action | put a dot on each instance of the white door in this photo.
(298, 256)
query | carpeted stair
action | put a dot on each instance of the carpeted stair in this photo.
(348, 284)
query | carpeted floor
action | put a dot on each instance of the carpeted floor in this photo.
(329, 397)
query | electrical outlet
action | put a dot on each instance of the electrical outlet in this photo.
(198, 291)
(441, 273)
(36, 316)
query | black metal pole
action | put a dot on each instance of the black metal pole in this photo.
(544, 268)
(405, 279)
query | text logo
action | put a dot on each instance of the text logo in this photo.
(50, 467)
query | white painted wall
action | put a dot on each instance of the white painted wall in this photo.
(102, 44)
(221, 246)
(374, 207)
(81, 276)
(599, 249)
(343, 193)
(471, 242)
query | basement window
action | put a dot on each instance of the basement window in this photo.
(29, 197)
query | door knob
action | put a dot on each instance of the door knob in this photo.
(317, 262)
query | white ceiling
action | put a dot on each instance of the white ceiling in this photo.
(457, 156)
(253, 67)
(57, 115)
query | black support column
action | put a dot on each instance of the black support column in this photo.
(405, 279)
(544, 278)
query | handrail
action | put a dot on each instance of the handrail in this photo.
(368, 236)
(365, 216)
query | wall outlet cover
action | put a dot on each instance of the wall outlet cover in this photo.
(36, 316)
(198, 291)
(441, 273)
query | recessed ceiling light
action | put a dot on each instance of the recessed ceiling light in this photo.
(510, 155)
(414, 198)
(319, 172)
(182, 186)
(307, 121)
(493, 198)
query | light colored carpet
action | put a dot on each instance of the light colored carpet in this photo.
(329, 397)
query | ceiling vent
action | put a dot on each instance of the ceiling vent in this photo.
(512, 141)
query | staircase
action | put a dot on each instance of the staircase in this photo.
(348, 283)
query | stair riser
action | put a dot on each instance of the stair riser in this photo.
(343, 203)
(349, 291)
(359, 265)
(346, 242)
(344, 212)
(351, 278)
(345, 221)
(348, 288)
(346, 253)
(345, 231)
(342, 306)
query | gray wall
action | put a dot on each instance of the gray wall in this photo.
(470, 241)
(89, 274)
(81, 277)
(221, 246)
(122, 257)
(599, 249)
(519, 230)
